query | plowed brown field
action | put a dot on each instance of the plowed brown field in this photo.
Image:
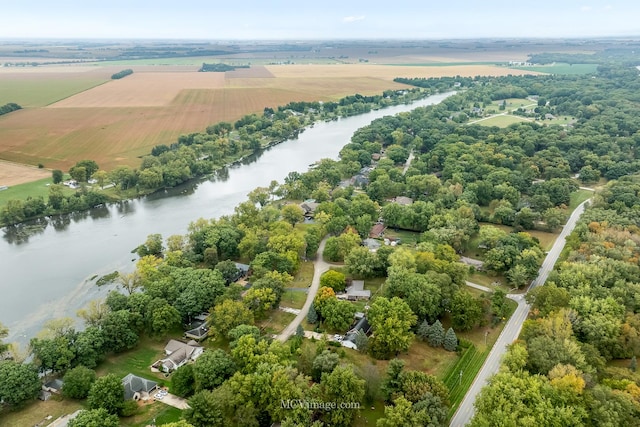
(12, 174)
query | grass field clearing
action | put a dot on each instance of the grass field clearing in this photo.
(578, 197)
(158, 411)
(137, 361)
(37, 411)
(502, 120)
(293, 299)
(34, 189)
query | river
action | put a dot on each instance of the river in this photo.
(47, 273)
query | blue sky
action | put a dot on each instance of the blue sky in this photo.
(324, 19)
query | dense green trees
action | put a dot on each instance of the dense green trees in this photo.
(18, 382)
(108, 393)
(78, 382)
(94, 418)
(583, 317)
(391, 321)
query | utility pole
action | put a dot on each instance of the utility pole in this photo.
(485, 337)
(460, 381)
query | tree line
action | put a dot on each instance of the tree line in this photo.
(122, 74)
(8, 108)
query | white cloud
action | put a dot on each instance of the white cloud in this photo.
(607, 7)
(353, 18)
(585, 9)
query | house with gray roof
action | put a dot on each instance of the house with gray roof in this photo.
(178, 353)
(356, 291)
(137, 388)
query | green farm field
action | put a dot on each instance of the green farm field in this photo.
(561, 68)
(42, 92)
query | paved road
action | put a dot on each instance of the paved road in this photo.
(512, 329)
(319, 267)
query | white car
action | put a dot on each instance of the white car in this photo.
(159, 396)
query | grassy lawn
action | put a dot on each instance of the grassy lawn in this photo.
(578, 197)
(30, 189)
(37, 411)
(293, 299)
(502, 121)
(546, 238)
(275, 322)
(374, 284)
(408, 238)
(158, 411)
(559, 120)
(469, 365)
(136, 361)
(513, 102)
(485, 279)
(303, 277)
(369, 415)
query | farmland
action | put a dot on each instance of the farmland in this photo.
(118, 121)
(73, 110)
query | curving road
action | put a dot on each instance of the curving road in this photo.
(319, 267)
(512, 329)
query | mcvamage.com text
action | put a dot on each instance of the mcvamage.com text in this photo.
(317, 404)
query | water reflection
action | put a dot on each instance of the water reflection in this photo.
(20, 234)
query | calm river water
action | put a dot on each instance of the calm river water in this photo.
(47, 274)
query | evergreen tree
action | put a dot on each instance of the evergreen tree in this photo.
(435, 336)
(423, 330)
(361, 341)
(312, 315)
(634, 364)
(300, 331)
(450, 340)
(393, 382)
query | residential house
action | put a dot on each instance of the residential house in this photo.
(371, 244)
(243, 271)
(356, 291)
(178, 353)
(198, 333)
(361, 325)
(377, 231)
(137, 388)
(309, 207)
